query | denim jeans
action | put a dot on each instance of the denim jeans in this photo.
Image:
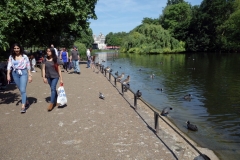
(53, 84)
(21, 82)
(88, 63)
(76, 66)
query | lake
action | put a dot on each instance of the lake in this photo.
(212, 79)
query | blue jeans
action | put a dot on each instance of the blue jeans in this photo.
(53, 84)
(88, 63)
(21, 82)
(76, 66)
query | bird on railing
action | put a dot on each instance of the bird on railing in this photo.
(127, 80)
(126, 87)
(191, 127)
(188, 97)
(101, 96)
(166, 110)
(107, 69)
(120, 77)
(116, 73)
(138, 93)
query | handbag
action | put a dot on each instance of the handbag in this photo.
(61, 98)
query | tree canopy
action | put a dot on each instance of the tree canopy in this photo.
(41, 22)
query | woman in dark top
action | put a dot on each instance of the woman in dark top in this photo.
(64, 58)
(51, 73)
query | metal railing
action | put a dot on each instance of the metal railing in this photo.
(137, 95)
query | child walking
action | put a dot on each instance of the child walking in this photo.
(51, 73)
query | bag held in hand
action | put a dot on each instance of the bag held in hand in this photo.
(62, 98)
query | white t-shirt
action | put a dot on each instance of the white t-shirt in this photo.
(88, 52)
(56, 52)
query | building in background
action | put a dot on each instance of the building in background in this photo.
(99, 42)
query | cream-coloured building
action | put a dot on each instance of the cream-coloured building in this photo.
(100, 41)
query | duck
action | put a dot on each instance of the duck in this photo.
(188, 97)
(116, 73)
(166, 110)
(127, 80)
(191, 127)
(152, 76)
(107, 69)
(160, 89)
(120, 77)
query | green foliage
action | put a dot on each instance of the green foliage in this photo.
(115, 39)
(150, 38)
(228, 32)
(81, 49)
(42, 22)
(150, 21)
(176, 19)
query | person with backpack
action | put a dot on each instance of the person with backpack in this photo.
(51, 73)
(19, 63)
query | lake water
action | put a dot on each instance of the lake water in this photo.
(212, 79)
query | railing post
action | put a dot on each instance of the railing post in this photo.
(122, 89)
(115, 81)
(105, 72)
(109, 74)
(102, 69)
(156, 122)
(135, 101)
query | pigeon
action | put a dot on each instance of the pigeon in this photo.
(188, 97)
(138, 93)
(127, 80)
(166, 110)
(120, 77)
(191, 127)
(116, 73)
(101, 96)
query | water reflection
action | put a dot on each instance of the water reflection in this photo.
(211, 79)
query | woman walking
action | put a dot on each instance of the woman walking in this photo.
(64, 58)
(19, 63)
(51, 73)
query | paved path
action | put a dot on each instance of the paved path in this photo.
(87, 128)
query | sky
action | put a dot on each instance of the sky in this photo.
(124, 15)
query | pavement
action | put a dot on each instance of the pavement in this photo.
(87, 128)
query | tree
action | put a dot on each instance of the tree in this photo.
(150, 21)
(41, 22)
(171, 2)
(115, 39)
(176, 19)
(150, 38)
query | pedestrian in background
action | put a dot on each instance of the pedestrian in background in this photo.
(74, 58)
(88, 58)
(19, 63)
(51, 73)
(64, 58)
